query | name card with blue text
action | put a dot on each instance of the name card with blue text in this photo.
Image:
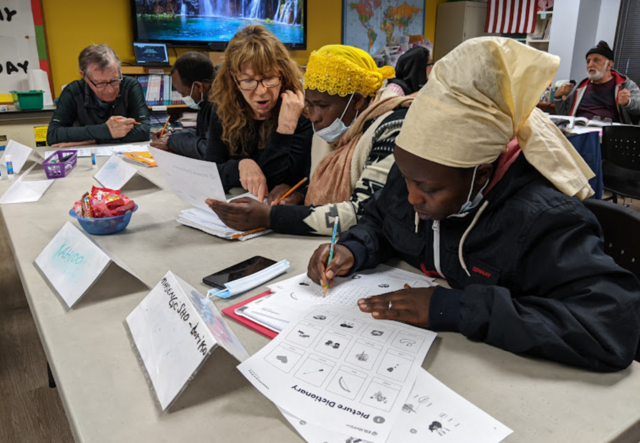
(175, 329)
(73, 262)
(115, 173)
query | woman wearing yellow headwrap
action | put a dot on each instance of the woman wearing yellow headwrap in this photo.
(486, 194)
(356, 124)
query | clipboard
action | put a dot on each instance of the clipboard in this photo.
(231, 312)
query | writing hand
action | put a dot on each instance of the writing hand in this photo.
(119, 126)
(341, 264)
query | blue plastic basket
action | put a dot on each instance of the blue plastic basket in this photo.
(104, 226)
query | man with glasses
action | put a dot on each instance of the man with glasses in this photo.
(103, 107)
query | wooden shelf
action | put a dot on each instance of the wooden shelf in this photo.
(169, 106)
(537, 41)
(143, 70)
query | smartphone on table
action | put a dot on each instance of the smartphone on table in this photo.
(239, 270)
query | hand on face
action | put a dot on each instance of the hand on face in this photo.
(290, 110)
(341, 264)
(624, 97)
(252, 178)
(409, 305)
(242, 214)
(120, 126)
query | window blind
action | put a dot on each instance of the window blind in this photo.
(627, 45)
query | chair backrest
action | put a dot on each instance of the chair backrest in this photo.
(621, 146)
(588, 146)
(620, 226)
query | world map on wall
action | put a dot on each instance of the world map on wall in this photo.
(371, 24)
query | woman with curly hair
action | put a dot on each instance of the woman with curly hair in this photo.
(257, 136)
(356, 122)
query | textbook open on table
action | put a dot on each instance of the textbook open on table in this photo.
(194, 181)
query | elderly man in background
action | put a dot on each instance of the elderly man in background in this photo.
(605, 93)
(103, 107)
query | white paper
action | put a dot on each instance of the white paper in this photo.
(103, 151)
(39, 81)
(25, 191)
(72, 263)
(115, 173)
(292, 296)
(175, 329)
(193, 181)
(339, 368)
(19, 154)
(431, 413)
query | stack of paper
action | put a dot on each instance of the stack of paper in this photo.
(291, 297)
(209, 222)
(194, 181)
(338, 375)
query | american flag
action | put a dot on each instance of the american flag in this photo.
(511, 16)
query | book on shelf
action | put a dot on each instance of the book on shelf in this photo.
(158, 90)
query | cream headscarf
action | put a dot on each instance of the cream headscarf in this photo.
(478, 98)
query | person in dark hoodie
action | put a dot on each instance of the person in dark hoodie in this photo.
(492, 205)
(412, 71)
(605, 93)
(191, 75)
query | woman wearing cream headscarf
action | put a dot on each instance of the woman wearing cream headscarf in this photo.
(356, 124)
(486, 194)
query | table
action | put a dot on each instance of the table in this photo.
(107, 399)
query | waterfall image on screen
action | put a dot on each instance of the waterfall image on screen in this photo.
(208, 21)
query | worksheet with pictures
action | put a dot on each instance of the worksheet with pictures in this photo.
(339, 368)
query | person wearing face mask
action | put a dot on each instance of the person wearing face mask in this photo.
(191, 75)
(355, 124)
(258, 137)
(492, 205)
(605, 93)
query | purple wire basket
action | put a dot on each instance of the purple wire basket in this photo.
(60, 163)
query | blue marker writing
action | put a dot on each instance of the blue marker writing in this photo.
(9, 166)
(93, 159)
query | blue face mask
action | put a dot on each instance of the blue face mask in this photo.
(334, 131)
(471, 204)
(191, 102)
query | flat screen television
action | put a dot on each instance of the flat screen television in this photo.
(212, 23)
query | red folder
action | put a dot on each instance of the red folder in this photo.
(231, 312)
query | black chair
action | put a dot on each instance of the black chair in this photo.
(620, 226)
(621, 161)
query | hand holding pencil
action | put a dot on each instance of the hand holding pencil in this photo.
(331, 249)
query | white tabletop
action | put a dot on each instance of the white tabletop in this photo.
(107, 399)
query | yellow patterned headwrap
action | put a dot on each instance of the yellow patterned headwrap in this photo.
(343, 70)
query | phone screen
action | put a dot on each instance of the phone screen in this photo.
(240, 270)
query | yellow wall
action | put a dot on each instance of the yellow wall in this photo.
(72, 25)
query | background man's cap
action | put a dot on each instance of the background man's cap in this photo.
(601, 48)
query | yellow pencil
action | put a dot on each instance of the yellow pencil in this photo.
(288, 193)
(242, 234)
(117, 119)
(165, 126)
